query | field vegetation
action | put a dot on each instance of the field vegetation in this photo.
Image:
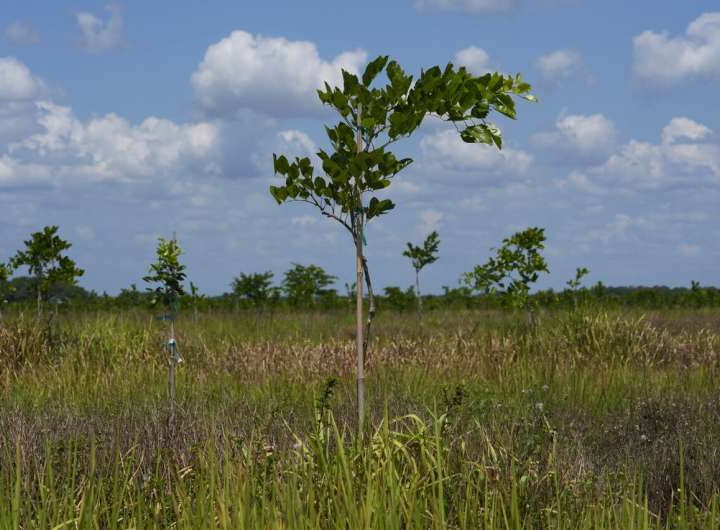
(594, 417)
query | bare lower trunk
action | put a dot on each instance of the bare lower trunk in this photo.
(417, 293)
(359, 343)
(172, 361)
(371, 311)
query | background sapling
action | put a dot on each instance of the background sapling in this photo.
(46, 262)
(516, 265)
(168, 274)
(420, 257)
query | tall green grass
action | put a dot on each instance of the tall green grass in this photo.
(587, 420)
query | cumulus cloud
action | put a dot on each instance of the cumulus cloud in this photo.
(111, 149)
(18, 33)
(476, 60)
(617, 229)
(661, 60)
(430, 220)
(559, 66)
(17, 81)
(477, 7)
(580, 137)
(446, 150)
(681, 158)
(98, 36)
(270, 74)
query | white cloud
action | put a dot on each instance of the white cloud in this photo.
(430, 220)
(303, 220)
(684, 128)
(558, 66)
(112, 149)
(477, 7)
(298, 143)
(99, 36)
(586, 137)
(269, 74)
(476, 60)
(17, 82)
(19, 34)
(617, 229)
(446, 150)
(688, 250)
(661, 60)
(680, 159)
(85, 232)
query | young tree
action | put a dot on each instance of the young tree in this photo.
(303, 285)
(360, 164)
(5, 272)
(421, 256)
(44, 258)
(255, 287)
(575, 283)
(516, 265)
(168, 274)
(195, 297)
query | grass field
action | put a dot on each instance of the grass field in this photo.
(589, 419)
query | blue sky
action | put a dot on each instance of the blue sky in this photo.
(123, 122)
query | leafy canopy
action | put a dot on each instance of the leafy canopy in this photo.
(255, 287)
(303, 284)
(576, 282)
(380, 116)
(44, 258)
(426, 254)
(516, 265)
(168, 273)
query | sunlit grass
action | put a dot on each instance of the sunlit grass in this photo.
(589, 420)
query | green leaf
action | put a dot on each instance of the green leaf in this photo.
(350, 82)
(373, 69)
(280, 164)
(477, 134)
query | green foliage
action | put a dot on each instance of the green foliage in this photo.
(424, 255)
(256, 287)
(168, 273)
(397, 299)
(304, 285)
(380, 116)
(515, 267)
(580, 273)
(44, 258)
(5, 288)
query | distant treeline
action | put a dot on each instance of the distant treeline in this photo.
(255, 291)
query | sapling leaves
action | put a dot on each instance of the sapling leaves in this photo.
(517, 264)
(379, 116)
(168, 273)
(420, 256)
(44, 257)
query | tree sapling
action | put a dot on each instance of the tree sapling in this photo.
(360, 165)
(421, 256)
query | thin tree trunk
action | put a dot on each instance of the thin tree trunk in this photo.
(359, 343)
(359, 269)
(370, 312)
(417, 292)
(39, 301)
(172, 361)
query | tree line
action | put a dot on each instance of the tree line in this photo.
(504, 281)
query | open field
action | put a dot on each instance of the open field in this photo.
(590, 419)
